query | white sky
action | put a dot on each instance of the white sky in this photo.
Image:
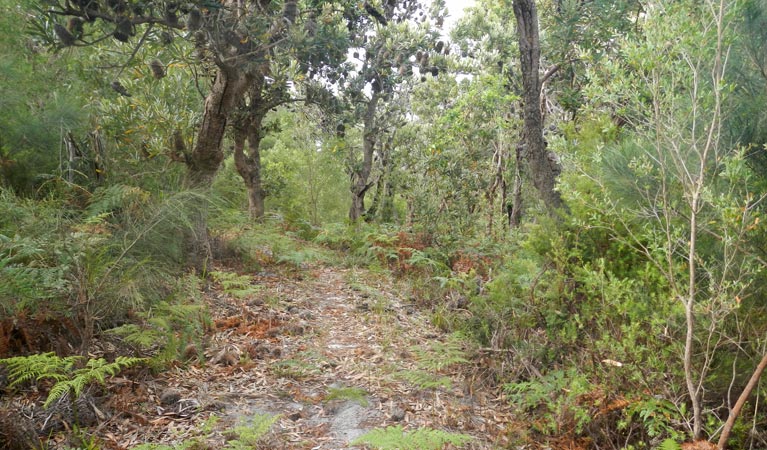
(455, 10)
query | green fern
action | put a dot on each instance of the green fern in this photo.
(166, 329)
(24, 277)
(421, 439)
(95, 370)
(143, 338)
(354, 394)
(154, 447)
(669, 444)
(235, 285)
(25, 369)
(441, 355)
(421, 259)
(107, 199)
(32, 368)
(426, 380)
(248, 436)
(298, 257)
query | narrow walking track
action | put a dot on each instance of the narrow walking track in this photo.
(334, 352)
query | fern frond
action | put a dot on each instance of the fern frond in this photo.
(249, 435)
(143, 338)
(396, 437)
(354, 394)
(233, 284)
(669, 444)
(58, 391)
(23, 369)
(160, 322)
(441, 355)
(426, 380)
(95, 370)
(105, 200)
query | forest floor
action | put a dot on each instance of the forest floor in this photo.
(331, 352)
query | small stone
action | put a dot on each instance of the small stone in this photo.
(226, 357)
(306, 315)
(257, 351)
(397, 414)
(216, 405)
(170, 397)
(16, 431)
(190, 352)
(296, 329)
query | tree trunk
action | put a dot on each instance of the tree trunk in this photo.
(205, 158)
(539, 166)
(388, 212)
(249, 165)
(256, 193)
(515, 209)
(499, 165)
(361, 175)
(381, 205)
(372, 211)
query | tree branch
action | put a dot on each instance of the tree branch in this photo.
(722, 444)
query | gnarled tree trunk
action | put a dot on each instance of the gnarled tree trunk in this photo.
(249, 164)
(538, 163)
(360, 175)
(206, 156)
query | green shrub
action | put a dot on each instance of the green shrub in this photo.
(396, 437)
(68, 375)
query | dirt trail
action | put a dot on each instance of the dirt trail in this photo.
(334, 352)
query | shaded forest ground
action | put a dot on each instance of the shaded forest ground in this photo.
(328, 352)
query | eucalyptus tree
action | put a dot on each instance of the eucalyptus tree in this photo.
(456, 171)
(544, 70)
(387, 52)
(251, 52)
(244, 47)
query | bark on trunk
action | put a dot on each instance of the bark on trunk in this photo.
(360, 176)
(206, 156)
(381, 205)
(515, 209)
(539, 166)
(249, 165)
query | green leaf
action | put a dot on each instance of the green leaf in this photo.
(392, 438)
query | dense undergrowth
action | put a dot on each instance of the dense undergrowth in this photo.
(575, 326)
(631, 318)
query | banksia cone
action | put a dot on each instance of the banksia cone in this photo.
(158, 70)
(64, 35)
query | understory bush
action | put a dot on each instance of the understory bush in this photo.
(81, 270)
(578, 323)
